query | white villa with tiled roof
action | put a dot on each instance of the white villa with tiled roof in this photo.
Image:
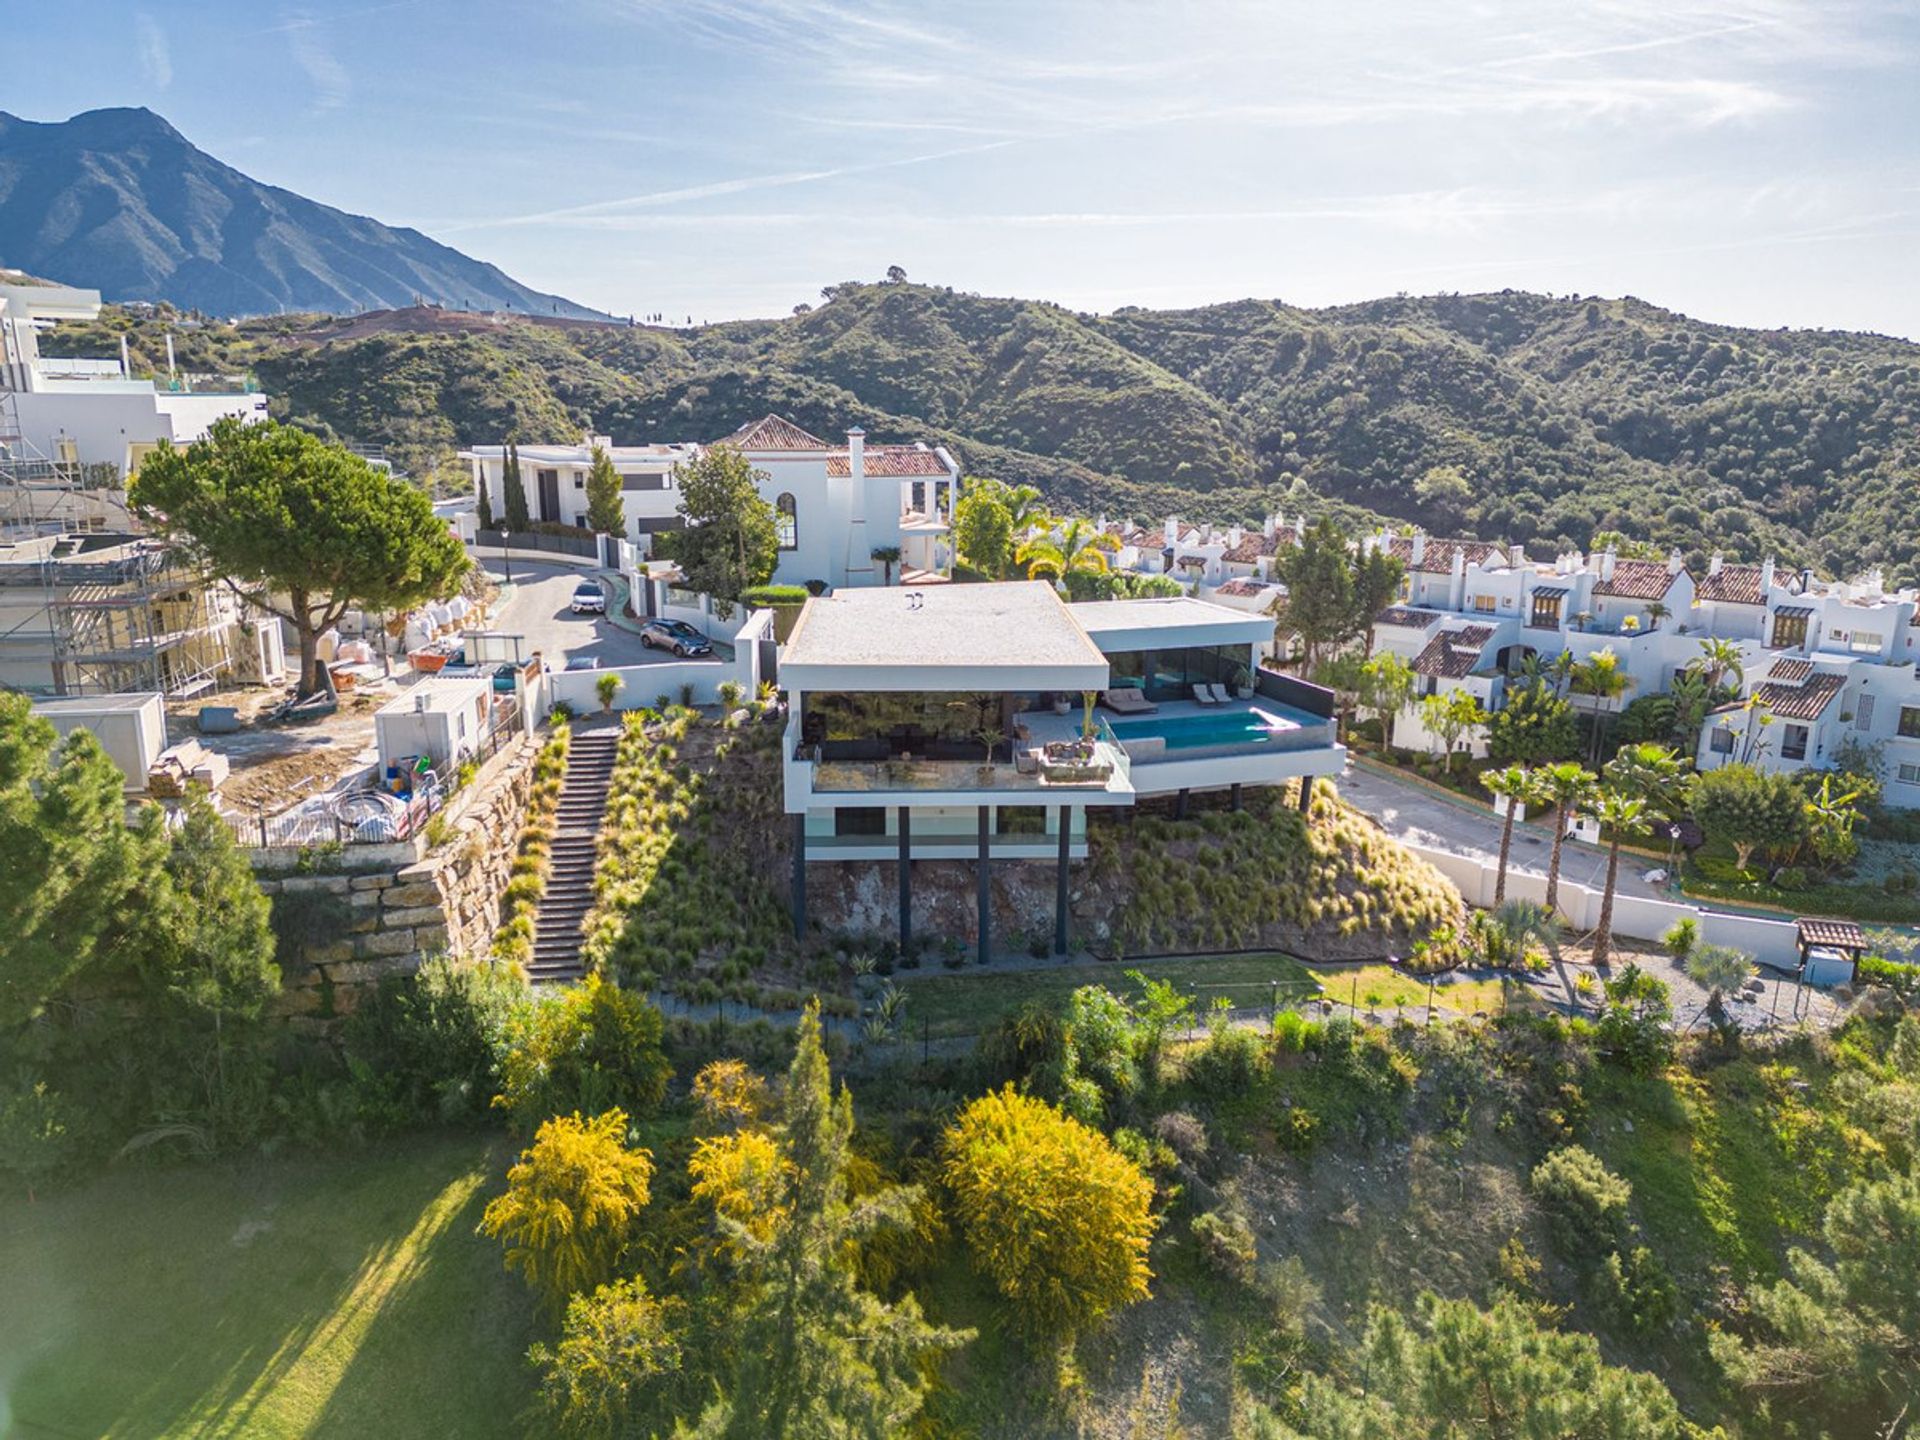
(834, 504)
(1826, 661)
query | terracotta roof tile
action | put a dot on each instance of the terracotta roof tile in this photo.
(1453, 653)
(1800, 702)
(1437, 557)
(1734, 585)
(1841, 934)
(1408, 617)
(1791, 672)
(1245, 588)
(773, 432)
(888, 461)
(1638, 580)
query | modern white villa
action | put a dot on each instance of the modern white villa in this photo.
(985, 721)
(835, 504)
(71, 430)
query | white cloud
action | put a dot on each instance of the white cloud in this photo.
(332, 86)
(156, 58)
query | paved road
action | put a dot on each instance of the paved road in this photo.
(538, 609)
(1412, 812)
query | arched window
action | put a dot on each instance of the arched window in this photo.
(786, 522)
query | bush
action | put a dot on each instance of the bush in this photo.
(1681, 939)
(755, 597)
(1226, 1244)
(1586, 1202)
(591, 1048)
(1635, 1292)
(1227, 1065)
(1900, 978)
(426, 1046)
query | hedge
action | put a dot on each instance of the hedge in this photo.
(774, 595)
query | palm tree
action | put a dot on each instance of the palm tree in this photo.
(1601, 679)
(1517, 785)
(1719, 659)
(1656, 612)
(1719, 968)
(889, 556)
(1623, 816)
(1028, 510)
(1568, 785)
(1078, 547)
(1650, 772)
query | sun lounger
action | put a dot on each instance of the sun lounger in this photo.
(1204, 694)
(1127, 702)
(1221, 695)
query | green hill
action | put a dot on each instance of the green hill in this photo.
(1550, 419)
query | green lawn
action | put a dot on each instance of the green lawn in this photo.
(968, 1003)
(341, 1295)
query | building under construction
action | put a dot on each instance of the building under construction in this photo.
(97, 614)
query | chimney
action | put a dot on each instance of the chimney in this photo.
(1716, 563)
(1766, 575)
(1171, 531)
(857, 453)
(1270, 526)
(1517, 556)
(1675, 562)
(1418, 552)
(1234, 534)
(1606, 565)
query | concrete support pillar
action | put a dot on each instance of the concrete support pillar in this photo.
(1306, 793)
(986, 906)
(1060, 884)
(906, 882)
(1180, 806)
(800, 876)
(1236, 795)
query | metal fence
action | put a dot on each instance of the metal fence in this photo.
(365, 813)
(583, 543)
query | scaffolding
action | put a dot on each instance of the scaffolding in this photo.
(100, 615)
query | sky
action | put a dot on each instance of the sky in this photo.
(1755, 162)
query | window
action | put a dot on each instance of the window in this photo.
(1020, 819)
(1865, 642)
(861, 820)
(786, 522)
(1789, 630)
(1909, 774)
(1863, 713)
(1546, 612)
(579, 481)
(1721, 741)
(1794, 745)
(1910, 721)
(1485, 604)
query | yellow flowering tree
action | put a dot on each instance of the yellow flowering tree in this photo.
(570, 1205)
(1056, 1217)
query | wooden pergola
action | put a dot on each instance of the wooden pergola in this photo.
(1842, 935)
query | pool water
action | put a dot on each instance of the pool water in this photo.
(1195, 732)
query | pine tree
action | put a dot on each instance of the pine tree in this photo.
(483, 500)
(819, 1356)
(517, 517)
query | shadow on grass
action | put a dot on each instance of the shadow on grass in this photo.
(276, 1298)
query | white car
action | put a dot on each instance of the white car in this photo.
(589, 599)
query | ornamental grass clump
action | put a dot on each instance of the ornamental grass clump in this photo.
(527, 879)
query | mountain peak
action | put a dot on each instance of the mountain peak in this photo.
(120, 201)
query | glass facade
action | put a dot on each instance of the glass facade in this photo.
(1172, 674)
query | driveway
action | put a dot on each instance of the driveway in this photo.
(538, 609)
(1412, 812)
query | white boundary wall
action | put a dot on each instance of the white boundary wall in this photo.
(643, 684)
(1771, 942)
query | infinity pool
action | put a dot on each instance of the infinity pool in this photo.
(1270, 724)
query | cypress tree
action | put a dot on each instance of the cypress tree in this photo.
(484, 497)
(517, 517)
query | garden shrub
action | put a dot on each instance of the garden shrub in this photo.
(513, 941)
(426, 1046)
(593, 1047)
(1585, 1201)
(1635, 1292)
(1902, 979)
(1228, 1065)
(1226, 1243)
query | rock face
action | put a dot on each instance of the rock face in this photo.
(355, 926)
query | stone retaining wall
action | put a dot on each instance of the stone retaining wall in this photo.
(366, 922)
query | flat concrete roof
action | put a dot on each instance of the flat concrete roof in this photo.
(1007, 635)
(96, 704)
(1172, 621)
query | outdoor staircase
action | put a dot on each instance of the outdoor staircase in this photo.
(569, 892)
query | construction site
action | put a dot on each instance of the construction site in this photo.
(90, 607)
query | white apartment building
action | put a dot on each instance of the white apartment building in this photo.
(834, 504)
(92, 413)
(1823, 661)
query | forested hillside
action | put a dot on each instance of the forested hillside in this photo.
(1513, 416)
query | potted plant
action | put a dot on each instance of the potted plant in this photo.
(989, 736)
(606, 687)
(1060, 703)
(1242, 682)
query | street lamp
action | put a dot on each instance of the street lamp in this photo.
(1673, 846)
(506, 553)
